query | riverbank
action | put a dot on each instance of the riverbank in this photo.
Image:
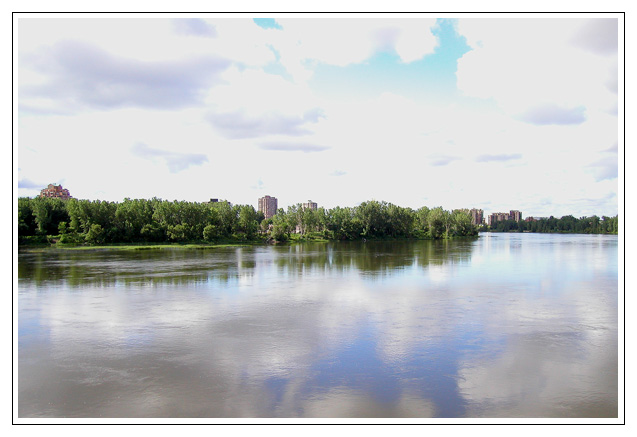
(139, 246)
(51, 244)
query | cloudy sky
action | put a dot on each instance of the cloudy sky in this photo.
(499, 113)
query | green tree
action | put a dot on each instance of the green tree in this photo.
(247, 221)
(211, 233)
(227, 218)
(131, 216)
(461, 222)
(26, 220)
(48, 213)
(282, 225)
(373, 218)
(95, 234)
(401, 221)
(321, 218)
(342, 224)
(436, 221)
(178, 232)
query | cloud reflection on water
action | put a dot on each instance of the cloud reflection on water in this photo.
(394, 330)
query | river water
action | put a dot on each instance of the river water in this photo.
(506, 325)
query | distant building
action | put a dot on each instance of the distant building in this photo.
(220, 201)
(498, 217)
(502, 216)
(477, 216)
(310, 205)
(515, 215)
(268, 206)
(55, 191)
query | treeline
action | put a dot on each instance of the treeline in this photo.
(160, 221)
(566, 224)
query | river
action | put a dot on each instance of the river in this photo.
(502, 326)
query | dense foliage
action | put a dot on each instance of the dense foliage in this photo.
(566, 224)
(161, 221)
(155, 220)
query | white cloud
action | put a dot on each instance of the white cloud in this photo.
(292, 147)
(553, 114)
(251, 103)
(175, 161)
(598, 36)
(195, 27)
(524, 63)
(80, 75)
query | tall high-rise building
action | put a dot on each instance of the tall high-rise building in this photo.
(515, 215)
(268, 206)
(310, 205)
(477, 216)
(55, 191)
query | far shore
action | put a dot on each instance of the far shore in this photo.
(132, 246)
(206, 246)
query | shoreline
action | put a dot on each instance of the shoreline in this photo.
(208, 246)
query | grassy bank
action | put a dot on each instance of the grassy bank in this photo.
(154, 246)
(52, 242)
(136, 246)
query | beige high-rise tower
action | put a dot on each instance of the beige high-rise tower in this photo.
(268, 206)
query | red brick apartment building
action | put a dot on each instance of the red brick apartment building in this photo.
(55, 191)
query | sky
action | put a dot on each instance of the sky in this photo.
(503, 112)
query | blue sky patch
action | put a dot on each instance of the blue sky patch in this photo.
(432, 76)
(267, 23)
